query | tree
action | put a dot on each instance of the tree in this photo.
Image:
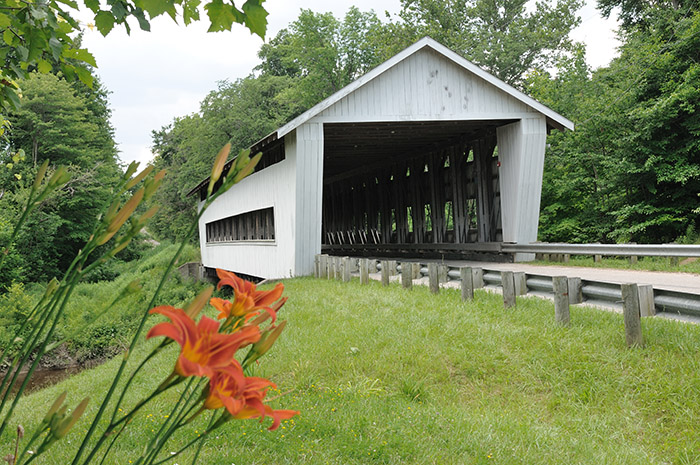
(501, 36)
(39, 35)
(629, 172)
(54, 122)
(322, 54)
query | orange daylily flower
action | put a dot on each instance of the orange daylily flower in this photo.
(243, 396)
(247, 300)
(204, 350)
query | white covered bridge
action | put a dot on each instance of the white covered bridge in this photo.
(426, 154)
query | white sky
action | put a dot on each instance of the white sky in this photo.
(157, 76)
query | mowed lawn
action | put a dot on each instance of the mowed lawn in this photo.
(390, 376)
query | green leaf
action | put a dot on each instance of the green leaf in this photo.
(9, 166)
(18, 176)
(256, 17)
(221, 16)
(158, 7)
(94, 5)
(119, 11)
(4, 20)
(80, 54)
(85, 76)
(104, 22)
(190, 11)
(8, 37)
(56, 47)
(44, 66)
(70, 3)
(141, 18)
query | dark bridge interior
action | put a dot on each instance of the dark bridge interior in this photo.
(411, 188)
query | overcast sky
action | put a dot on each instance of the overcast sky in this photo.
(157, 76)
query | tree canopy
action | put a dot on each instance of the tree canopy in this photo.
(38, 36)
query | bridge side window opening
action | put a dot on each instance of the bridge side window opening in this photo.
(257, 225)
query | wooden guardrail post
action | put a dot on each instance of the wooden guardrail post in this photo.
(347, 268)
(508, 285)
(392, 267)
(520, 282)
(673, 261)
(646, 300)
(633, 259)
(323, 266)
(406, 275)
(560, 285)
(336, 268)
(442, 273)
(467, 277)
(433, 281)
(630, 310)
(364, 271)
(385, 272)
(575, 290)
(330, 267)
(478, 277)
(416, 270)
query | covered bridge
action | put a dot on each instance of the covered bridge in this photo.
(426, 154)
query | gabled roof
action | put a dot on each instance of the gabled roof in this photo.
(554, 118)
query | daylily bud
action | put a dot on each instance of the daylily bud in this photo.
(152, 185)
(149, 214)
(137, 179)
(54, 407)
(122, 216)
(196, 306)
(51, 287)
(69, 421)
(133, 166)
(40, 174)
(247, 169)
(265, 343)
(120, 247)
(20, 431)
(133, 287)
(60, 176)
(218, 166)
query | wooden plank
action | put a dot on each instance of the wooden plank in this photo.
(560, 285)
(433, 281)
(406, 275)
(385, 273)
(632, 317)
(646, 300)
(364, 271)
(508, 286)
(575, 290)
(467, 278)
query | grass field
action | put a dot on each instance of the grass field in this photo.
(643, 263)
(389, 376)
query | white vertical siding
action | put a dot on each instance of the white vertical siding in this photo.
(425, 86)
(521, 148)
(275, 186)
(309, 194)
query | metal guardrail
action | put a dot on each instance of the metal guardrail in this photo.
(598, 293)
(626, 250)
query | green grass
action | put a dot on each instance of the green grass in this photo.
(643, 263)
(389, 376)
